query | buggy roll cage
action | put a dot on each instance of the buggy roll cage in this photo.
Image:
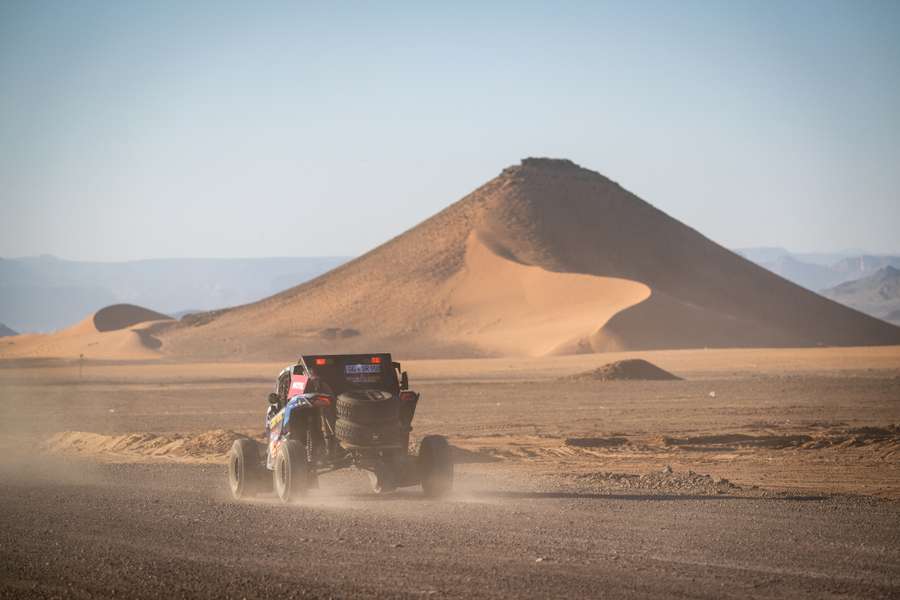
(394, 380)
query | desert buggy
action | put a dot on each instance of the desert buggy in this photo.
(330, 412)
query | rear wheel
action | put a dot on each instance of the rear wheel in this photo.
(435, 466)
(246, 475)
(292, 471)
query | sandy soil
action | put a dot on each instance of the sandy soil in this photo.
(765, 473)
(504, 307)
(821, 420)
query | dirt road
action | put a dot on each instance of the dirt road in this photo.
(167, 530)
(785, 483)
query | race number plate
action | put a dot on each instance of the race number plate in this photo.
(361, 369)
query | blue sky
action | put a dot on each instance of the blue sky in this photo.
(153, 129)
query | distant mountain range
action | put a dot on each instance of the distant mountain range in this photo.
(877, 294)
(862, 281)
(40, 294)
(819, 271)
(770, 254)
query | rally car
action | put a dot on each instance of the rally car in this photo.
(329, 412)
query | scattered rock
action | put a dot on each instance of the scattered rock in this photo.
(665, 480)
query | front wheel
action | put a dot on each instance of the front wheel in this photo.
(292, 471)
(246, 476)
(435, 466)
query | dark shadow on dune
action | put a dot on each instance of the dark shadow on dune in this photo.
(148, 340)
(120, 316)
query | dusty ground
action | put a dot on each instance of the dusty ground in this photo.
(764, 473)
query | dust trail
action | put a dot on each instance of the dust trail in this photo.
(21, 434)
(22, 461)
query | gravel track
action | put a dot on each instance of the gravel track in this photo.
(87, 530)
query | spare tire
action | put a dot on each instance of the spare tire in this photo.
(355, 434)
(374, 408)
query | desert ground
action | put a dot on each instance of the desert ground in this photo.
(762, 472)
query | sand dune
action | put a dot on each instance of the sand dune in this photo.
(546, 258)
(509, 308)
(120, 331)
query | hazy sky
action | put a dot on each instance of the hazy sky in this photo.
(154, 129)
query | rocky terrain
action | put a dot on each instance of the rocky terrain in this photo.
(742, 479)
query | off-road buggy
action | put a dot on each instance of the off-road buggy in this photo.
(329, 412)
